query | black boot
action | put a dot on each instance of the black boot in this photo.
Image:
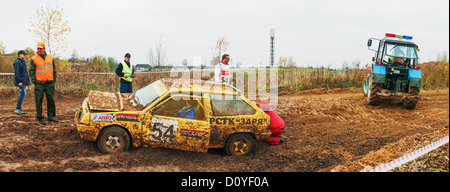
(53, 119)
(42, 122)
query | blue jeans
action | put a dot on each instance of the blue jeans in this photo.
(126, 88)
(23, 93)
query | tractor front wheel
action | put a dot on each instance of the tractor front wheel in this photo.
(366, 86)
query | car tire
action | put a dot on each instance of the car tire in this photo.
(240, 144)
(113, 139)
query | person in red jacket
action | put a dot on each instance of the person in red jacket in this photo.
(276, 124)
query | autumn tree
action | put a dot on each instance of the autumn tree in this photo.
(286, 61)
(5, 66)
(98, 64)
(7, 60)
(112, 63)
(221, 46)
(49, 27)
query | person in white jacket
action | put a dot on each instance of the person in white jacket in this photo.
(222, 71)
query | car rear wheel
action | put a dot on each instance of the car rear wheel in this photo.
(239, 145)
(113, 139)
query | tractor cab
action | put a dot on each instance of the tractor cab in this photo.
(396, 51)
(395, 69)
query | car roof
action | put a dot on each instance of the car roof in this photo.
(180, 85)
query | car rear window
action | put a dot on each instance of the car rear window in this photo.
(230, 105)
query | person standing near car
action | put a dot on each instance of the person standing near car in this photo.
(43, 76)
(126, 73)
(276, 126)
(222, 70)
(21, 79)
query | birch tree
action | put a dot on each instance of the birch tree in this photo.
(221, 46)
(48, 26)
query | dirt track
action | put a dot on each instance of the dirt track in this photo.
(323, 131)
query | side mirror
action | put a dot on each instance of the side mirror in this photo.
(369, 44)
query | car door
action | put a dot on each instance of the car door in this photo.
(172, 124)
(229, 114)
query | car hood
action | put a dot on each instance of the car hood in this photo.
(107, 101)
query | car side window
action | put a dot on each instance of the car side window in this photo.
(182, 107)
(230, 105)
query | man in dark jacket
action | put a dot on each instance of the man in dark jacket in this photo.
(21, 79)
(126, 73)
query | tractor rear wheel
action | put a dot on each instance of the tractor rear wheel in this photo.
(372, 97)
(411, 103)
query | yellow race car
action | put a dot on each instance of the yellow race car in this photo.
(189, 115)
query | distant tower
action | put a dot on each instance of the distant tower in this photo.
(272, 41)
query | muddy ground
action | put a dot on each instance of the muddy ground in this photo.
(324, 132)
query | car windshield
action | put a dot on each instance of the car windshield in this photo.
(149, 93)
(401, 50)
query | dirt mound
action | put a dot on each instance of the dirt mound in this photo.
(324, 132)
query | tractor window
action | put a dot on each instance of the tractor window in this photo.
(400, 50)
(380, 51)
(230, 105)
(182, 107)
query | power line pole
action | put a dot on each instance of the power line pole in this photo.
(272, 41)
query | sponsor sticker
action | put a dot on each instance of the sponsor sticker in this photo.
(127, 117)
(191, 133)
(237, 121)
(103, 117)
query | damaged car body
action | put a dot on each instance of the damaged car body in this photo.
(170, 114)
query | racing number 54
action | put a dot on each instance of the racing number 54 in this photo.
(157, 132)
(164, 130)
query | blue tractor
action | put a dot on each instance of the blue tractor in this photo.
(395, 74)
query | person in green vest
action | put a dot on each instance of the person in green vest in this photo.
(399, 60)
(126, 73)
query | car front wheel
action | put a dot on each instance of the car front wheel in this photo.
(113, 139)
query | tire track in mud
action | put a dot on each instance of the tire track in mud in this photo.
(341, 127)
(322, 132)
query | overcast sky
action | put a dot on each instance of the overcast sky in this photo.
(314, 32)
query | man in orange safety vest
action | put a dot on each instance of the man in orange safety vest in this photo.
(43, 75)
